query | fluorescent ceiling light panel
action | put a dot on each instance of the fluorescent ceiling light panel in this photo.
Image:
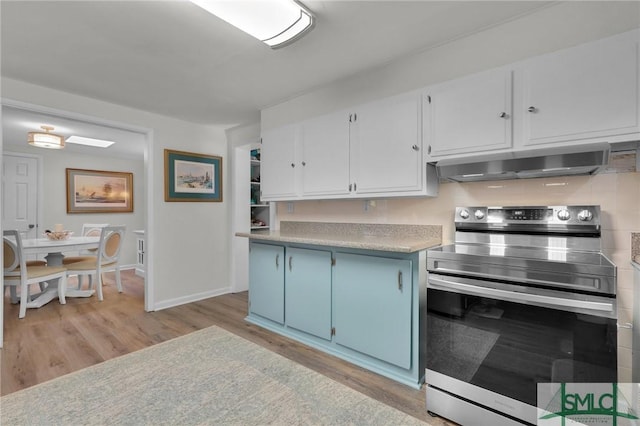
(80, 140)
(274, 22)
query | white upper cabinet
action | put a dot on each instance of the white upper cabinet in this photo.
(278, 163)
(589, 92)
(387, 146)
(324, 159)
(373, 150)
(470, 114)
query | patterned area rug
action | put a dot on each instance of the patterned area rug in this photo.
(207, 377)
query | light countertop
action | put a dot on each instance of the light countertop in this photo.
(382, 237)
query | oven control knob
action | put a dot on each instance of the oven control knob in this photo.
(479, 214)
(585, 216)
(464, 213)
(564, 214)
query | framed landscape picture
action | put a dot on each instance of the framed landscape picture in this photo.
(192, 177)
(99, 191)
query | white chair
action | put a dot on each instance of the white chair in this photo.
(17, 273)
(106, 260)
(88, 230)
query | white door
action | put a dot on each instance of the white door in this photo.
(20, 194)
(587, 92)
(471, 114)
(278, 163)
(386, 145)
(325, 154)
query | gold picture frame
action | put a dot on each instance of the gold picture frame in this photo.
(99, 191)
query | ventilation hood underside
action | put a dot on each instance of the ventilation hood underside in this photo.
(574, 160)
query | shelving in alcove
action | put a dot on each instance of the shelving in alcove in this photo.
(259, 210)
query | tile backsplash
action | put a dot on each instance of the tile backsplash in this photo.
(617, 194)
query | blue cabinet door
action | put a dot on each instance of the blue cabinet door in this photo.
(308, 291)
(266, 281)
(372, 306)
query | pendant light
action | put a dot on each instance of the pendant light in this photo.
(45, 139)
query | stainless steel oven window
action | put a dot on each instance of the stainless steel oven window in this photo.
(507, 346)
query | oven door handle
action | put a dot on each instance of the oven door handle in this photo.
(518, 297)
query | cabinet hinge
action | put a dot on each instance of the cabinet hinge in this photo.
(333, 331)
(333, 261)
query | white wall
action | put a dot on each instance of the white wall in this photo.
(54, 209)
(187, 243)
(240, 139)
(559, 26)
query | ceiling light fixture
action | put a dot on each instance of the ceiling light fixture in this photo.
(81, 140)
(274, 22)
(45, 139)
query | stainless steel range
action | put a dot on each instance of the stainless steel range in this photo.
(524, 296)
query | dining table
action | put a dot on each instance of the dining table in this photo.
(54, 250)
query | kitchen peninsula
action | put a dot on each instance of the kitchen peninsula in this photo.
(353, 290)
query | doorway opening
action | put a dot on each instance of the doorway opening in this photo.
(132, 153)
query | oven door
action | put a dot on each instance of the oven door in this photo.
(493, 342)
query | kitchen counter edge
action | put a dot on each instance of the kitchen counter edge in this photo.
(365, 242)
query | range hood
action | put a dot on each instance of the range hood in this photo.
(572, 160)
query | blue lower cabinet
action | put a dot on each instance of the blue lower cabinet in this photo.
(308, 291)
(266, 281)
(363, 306)
(372, 306)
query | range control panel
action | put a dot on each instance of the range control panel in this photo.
(535, 215)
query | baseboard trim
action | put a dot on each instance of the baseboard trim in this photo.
(190, 298)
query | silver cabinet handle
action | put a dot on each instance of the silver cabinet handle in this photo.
(354, 186)
(304, 163)
(429, 149)
(350, 186)
(503, 115)
(277, 261)
(532, 109)
(400, 280)
(415, 148)
(293, 164)
(290, 259)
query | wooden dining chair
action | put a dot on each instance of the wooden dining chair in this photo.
(18, 273)
(107, 258)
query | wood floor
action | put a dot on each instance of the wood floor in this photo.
(56, 340)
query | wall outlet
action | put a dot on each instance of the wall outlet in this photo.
(368, 204)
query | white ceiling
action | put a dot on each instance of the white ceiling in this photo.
(175, 59)
(16, 122)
